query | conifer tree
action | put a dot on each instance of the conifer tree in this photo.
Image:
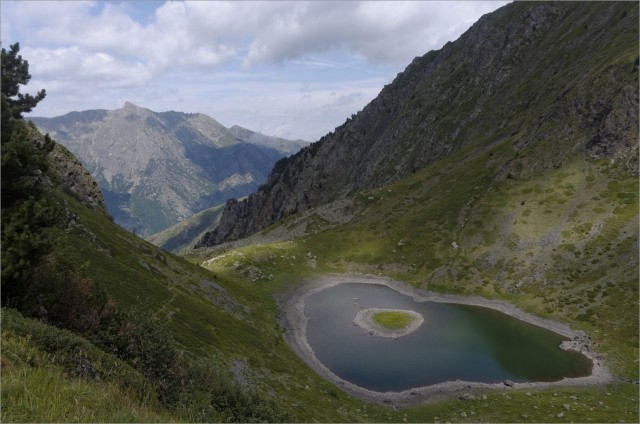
(15, 72)
(26, 208)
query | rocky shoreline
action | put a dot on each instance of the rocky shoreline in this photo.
(364, 320)
(295, 322)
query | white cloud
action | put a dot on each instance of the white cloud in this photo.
(207, 34)
(380, 32)
(242, 60)
(75, 66)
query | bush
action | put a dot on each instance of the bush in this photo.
(208, 395)
(68, 349)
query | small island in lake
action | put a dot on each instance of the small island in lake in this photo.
(388, 322)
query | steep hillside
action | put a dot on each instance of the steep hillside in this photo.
(553, 80)
(156, 169)
(42, 378)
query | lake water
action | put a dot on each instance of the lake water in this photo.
(455, 342)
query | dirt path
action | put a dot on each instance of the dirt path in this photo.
(295, 322)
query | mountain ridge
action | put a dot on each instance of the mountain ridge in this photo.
(451, 98)
(285, 146)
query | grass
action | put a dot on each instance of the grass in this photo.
(46, 394)
(40, 382)
(393, 320)
(597, 404)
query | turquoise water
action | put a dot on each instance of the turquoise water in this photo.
(455, 342)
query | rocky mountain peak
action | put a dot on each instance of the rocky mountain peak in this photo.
(133, 113)
(158, 168)
(128, 106)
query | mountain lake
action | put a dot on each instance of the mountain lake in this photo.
(455, 342)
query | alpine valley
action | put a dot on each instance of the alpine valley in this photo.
(502, 168)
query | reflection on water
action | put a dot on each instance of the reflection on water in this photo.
(455, 342)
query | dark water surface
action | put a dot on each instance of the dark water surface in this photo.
(455, 342)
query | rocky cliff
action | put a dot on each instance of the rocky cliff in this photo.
(560, 78)
(65, 172)
(75, 179)
(156, 169)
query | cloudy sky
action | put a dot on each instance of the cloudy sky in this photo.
(291, 69)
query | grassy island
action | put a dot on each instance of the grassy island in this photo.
(392, 320)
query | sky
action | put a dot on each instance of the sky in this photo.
(290, 69)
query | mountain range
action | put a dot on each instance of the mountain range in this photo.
(158, 168)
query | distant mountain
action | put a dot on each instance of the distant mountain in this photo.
(159, 168)
(547, 81)
(287, 147)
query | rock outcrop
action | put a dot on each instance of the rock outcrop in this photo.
(556, 79)
(75, 179)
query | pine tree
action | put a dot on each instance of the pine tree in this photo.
(15, 72)
(26, 208)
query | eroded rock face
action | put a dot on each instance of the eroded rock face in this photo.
(75, 179)
(522, 75)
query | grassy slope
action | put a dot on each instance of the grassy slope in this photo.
(39, 384)
(224, 319)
